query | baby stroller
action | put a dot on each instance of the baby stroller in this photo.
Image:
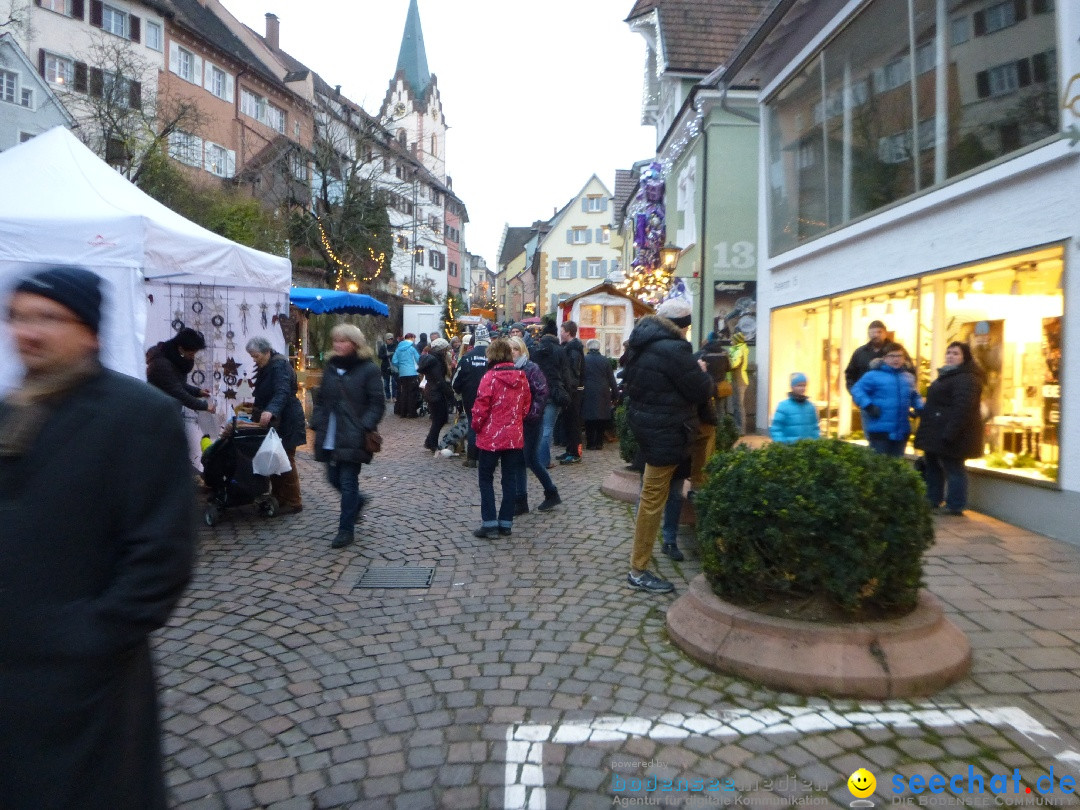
(228, 475)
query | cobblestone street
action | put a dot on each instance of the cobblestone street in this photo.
(529, 675)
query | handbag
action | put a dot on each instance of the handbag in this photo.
(724, 389)
(372, 441)
(271, 458)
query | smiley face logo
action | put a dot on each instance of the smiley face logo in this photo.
(861, 783)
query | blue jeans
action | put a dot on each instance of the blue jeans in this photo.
(389, 383)
(512, 461)
(881, 443)
(543, 451)
(946, 479)
(669, 529)
(343, 476)
(532, 462)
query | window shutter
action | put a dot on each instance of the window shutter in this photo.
(1023, 71)
(230, 163)
(77, 10)
(97, 12)
(135, 95)
(599, 235)
(980, 23)
(569, 236)
(197, 150)
(97, 83)
(1040, 68)
(588, 236)
(230, 88)
(197, 69)
(174, 58)
(80, 77)
(1021, 10)
(41, 61)
(603, 203)
(555, 269)
(603, 267)
(135, 26)
(982, 83)
(573, 269)
(208, 77)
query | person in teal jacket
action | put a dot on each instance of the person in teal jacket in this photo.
(886, 394)
(796, 417)
(405, 359)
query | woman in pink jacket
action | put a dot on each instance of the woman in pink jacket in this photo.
(498, 414)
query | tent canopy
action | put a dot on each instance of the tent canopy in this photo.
(318, 301)
(65, 206)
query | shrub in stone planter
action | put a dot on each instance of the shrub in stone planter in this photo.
(823, 520)
(628, 445)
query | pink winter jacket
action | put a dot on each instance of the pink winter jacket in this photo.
(502, 401)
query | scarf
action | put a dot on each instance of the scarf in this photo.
(521, 361)
(29, 406)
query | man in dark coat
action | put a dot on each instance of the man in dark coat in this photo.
(168, 364)
(866, 354)
(574, 358)
(596, 406)
(548, 354)
(96, 548)
(386, 351)
(466, 382)
(664, 386)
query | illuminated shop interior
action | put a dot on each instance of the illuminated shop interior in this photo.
(1009, 310)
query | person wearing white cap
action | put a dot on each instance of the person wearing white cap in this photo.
(664, 387)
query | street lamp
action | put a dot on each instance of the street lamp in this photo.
(669, 255)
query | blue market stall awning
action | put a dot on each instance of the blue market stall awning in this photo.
(318, 301)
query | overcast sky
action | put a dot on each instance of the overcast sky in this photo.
(538, 95)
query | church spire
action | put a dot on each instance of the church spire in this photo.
(412, 58)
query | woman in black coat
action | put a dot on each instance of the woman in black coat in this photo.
(348, 405)
(275, 403)
(434, 367)
(168, 364)
(951, 428)
(599, 394)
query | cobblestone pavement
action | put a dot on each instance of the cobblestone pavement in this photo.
(529, 675)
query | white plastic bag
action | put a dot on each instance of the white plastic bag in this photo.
(271, 458)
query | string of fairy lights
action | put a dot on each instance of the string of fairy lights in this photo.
(344, 274)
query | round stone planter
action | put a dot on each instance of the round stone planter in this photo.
(916, 655)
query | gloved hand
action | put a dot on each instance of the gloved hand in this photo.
(873, 411)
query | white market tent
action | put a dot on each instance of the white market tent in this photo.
(63, 205)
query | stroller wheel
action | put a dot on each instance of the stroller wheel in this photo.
(268, 506)
(212, 514)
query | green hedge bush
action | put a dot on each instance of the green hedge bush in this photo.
(814, 519)
(628, 445)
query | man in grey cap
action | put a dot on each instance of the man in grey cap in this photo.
(96, 548)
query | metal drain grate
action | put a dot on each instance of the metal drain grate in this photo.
(396, 577)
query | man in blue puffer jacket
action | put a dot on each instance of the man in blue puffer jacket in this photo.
(886, 394)
(796, 417)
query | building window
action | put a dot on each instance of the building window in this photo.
(961, 30)
(825, 171)
(605, 235)
(114, 21)
(275, 118)
(155, 40)
(59, 6)
(564, 268)
(257, 107)
(26, 98)
(435, 224)
(452, 234)
(595, 204)
(453, 271)
(580, 236)
(437, 260)
(402, 242)
(418, 256)
(186, 148)
(593, 269)
(216, 81)
(219, 160)
(434, 146)
(1008, 312)
(185, 64)
(8, 86)
(59, 70)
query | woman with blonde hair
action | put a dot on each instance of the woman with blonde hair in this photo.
(538, 390)
(348, 405)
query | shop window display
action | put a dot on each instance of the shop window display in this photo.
(1008, 310)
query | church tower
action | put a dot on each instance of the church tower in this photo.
(412, 108)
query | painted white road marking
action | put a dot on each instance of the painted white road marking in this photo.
(525, 742)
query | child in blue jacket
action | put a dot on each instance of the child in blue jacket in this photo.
(886, 394)
(796, 417)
